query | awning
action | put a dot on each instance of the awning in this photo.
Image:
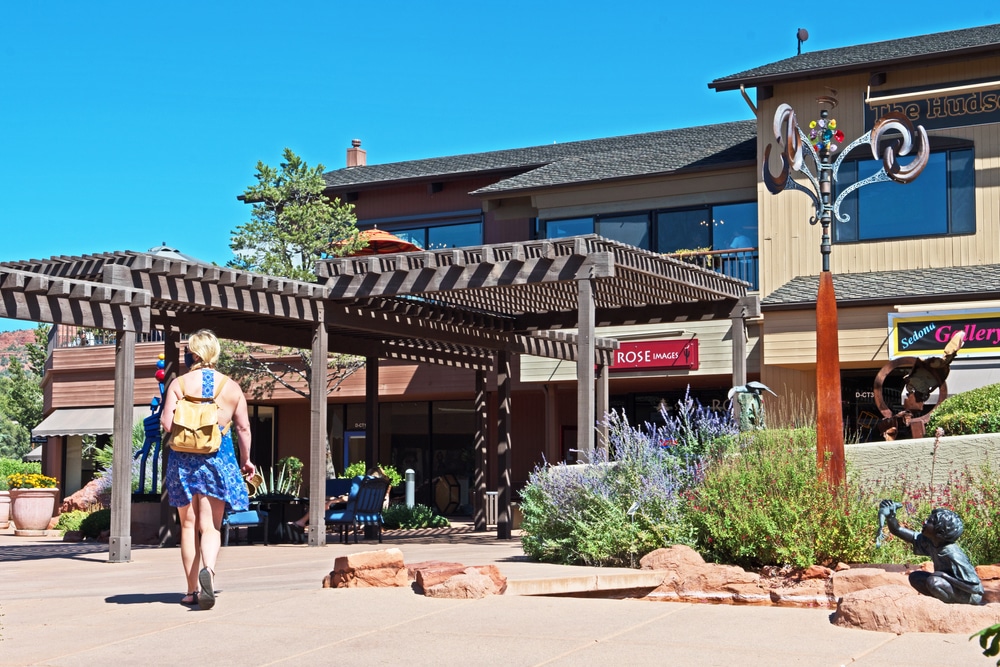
(34, 455)
(84, 421)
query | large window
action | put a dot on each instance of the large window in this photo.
(718, 227)
(940, 202)
(436, 237)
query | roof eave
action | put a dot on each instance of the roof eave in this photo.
(823, 72)
(529, 190)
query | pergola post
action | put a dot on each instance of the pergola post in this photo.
(585, 417)
(503, 447)
(170, 529)
(371, 412)
(601, 401)
(317, 432)
(481, 462)
(738, 331)
(120, 540)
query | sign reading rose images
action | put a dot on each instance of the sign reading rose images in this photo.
(656, 355)
(925, 334)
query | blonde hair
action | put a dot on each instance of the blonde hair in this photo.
(205, 346)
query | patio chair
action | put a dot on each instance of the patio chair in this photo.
(364, 507)
(245, 519)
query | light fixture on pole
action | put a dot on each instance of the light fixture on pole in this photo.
(894, 135)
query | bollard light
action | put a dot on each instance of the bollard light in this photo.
(410, 487)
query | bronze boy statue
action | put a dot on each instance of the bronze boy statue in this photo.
(954, 579)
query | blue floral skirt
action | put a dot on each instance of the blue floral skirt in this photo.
(216, 475)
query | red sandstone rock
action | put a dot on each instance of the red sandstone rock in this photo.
(83, 499)
(861, 578)
(428, 577)
(672, 558)
(840, 567)
(467, 586)
(901, 609)
(988, 572)
(816, 572)
(369, 569)
(412, 568)
(806, 593)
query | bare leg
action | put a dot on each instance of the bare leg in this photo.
(189, 546)
(210, 511)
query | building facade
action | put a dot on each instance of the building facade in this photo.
(916, 258)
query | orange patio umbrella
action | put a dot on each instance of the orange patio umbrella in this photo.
(381, 243)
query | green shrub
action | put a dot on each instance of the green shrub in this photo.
(10, 467)
(95, 523)
(969, 413)
(766, 505)
(418, 516)
(358, 468)
(973, 494)
(71, 520)
(614, 511)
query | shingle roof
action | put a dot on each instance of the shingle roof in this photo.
(868, 56)
(979, 282)
(578, 161)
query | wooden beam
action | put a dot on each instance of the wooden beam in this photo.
(448, 278)
(317, 435)
(585, 371)
(120, 540)
(504, 443)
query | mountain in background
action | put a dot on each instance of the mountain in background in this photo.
(14, 344)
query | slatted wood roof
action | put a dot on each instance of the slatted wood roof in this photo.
(453, 307)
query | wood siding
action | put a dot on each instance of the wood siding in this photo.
(790, 338)
(715, 352)
(789, 245)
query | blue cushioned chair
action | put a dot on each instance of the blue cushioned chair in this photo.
(245, 519)
(364, 507)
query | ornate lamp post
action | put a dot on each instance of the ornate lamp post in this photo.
(819, 145)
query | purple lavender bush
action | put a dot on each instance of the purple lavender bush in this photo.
(629, 499)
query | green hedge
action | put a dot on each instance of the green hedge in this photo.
(969, 413)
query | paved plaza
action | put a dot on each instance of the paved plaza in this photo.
(64, 604)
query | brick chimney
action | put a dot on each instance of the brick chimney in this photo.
(356, 156)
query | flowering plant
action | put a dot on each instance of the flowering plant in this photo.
(31, 480)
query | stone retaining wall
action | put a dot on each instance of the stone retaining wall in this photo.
(917, 459)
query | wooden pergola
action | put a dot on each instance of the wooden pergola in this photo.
(469, 307)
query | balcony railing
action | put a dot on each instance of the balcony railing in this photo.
(66, 336)
(741, 263)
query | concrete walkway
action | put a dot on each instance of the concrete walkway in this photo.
(64, 604)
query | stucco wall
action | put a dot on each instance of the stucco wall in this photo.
(916, 458)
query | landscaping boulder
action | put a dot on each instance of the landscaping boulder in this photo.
(470, 584)
(671, 558)
(864, 578)
(434, 575)
(83, 499)
(900, 609)
(369, 569)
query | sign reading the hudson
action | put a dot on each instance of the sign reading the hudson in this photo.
(656, 354)
(939, 108)
(925, 334)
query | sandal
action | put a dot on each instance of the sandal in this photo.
(190, 599)
(206, 596)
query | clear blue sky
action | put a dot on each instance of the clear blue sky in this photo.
(127, 124)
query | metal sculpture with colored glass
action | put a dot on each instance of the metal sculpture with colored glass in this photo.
(891, 137)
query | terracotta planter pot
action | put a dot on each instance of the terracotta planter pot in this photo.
(31, 510)
(4, 509)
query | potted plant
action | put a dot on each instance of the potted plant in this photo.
(32, 502)
(4, 503)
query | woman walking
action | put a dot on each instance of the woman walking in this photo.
(203, 486)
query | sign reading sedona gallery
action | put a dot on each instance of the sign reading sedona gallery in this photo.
(921, 334)
(656, 355)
